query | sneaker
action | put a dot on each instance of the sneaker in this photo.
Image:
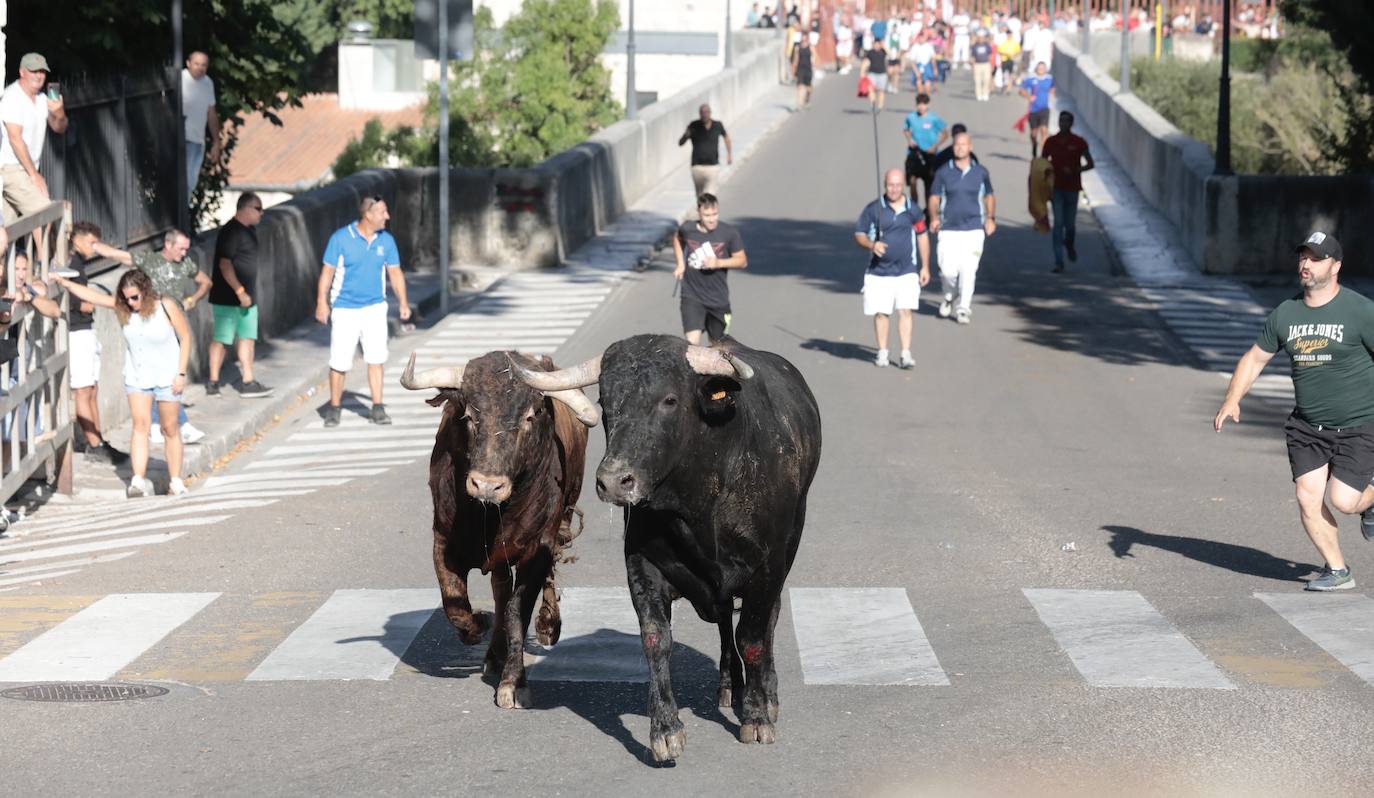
(105, 454)
(881, 360)
(1367, 524)
(945, 307)
(190, 434)
(331, 416)
(1073, 253)
(139, 487)
(253, 390)
(212, 388)
(907, 361)
(155, 434)
(963, 317)
(176, 487)
(1332, 580)
(379, 415)
(1058, 268)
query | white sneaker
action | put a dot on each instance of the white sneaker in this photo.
(155, 434)
(946, 306)
(907, 361)
(962, 316)
(190, 434)
(139, 487)
(881, 360)
(177, 487)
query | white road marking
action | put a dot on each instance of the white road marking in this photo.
(599, 643)
(99, 641)
(120, 518)
(122, 529)
(33, 569)
(356, 634)
(83, 548)
(417, 445)
(387, 459)
(23, 580)
(866, 636)
(287, 477)
(1116, 639)
(1343, 625)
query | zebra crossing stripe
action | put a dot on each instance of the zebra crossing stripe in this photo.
(599, 643)
(53, 566)
(418, 445)
(356, 634)
(833, 623)
(1342, 625)
(1116, 639)
(9, 583)
(118, 529)
(387, 459)
(86, 548)
(116, 518)
(99, 641)
(286, 476)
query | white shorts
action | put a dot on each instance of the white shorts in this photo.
(349, 325)
(883, 294)
(83, 349)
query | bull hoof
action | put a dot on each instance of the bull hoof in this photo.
(667, 747)
(508, 696)
(548, 632)
(757, 732)
(471, 628)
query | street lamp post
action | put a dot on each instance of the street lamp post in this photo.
(1087, 27)
(631, 99)
(1125, 47)
(183, 190)
(729, 57)
(443, 159)
(1223, 160)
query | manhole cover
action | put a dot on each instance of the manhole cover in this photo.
(83, 693)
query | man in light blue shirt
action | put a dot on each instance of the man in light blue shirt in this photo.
(925, 132)
(352, 290)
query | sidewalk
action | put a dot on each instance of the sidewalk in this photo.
(296, 365)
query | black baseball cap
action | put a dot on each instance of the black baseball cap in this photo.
(1323, 245)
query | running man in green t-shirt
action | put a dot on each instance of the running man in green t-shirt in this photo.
(1328, 334)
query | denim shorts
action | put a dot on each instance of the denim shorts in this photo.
(159, 394)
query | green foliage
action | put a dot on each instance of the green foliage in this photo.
(1350, 27)
(533, 89)
(323, 22)
(1327, 132)
(255, 60)
(379, 148)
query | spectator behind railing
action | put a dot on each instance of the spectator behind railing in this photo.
(157, 351)
(26, 290)
(84, 351)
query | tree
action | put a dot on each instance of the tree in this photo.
(1350, 24)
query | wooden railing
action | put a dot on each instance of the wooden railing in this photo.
(35, 394)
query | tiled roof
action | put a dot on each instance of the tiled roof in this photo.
(307, 143)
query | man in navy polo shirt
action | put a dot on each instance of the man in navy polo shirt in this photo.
(352, 290)
(893, 229)
(962, 210)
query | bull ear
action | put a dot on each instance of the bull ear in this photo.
(445, 396)
(716, 398)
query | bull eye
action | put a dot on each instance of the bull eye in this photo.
(670, 401)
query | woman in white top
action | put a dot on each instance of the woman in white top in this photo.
(157, 349)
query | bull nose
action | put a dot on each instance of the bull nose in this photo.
(488, 488)
(617, 483)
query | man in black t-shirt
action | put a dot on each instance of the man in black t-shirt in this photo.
(706, 134)
(705, 249)
(233, 275)
(83, 349)
(875, 69)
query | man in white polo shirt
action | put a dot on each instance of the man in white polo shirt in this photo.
(357, 262)
(27, 112)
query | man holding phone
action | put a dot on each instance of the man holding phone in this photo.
(27, 113)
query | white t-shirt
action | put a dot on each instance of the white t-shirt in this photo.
(196, 98)
(922, 53)
(16, 108)
(960, 24)
(1041, 44)
(1014, 25)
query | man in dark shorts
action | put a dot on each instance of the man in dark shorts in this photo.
(705, 249)
(1328, 333)
(802, 71)
(925, 132)
(1038, 88)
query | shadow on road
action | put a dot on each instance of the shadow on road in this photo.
(1241, 559)
(437, 651)
(841, 349)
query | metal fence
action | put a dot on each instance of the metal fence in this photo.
(117, 162)
(35, 397)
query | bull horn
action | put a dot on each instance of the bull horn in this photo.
(566, 379)
(443, 377)
(581, 406)
(717, 362)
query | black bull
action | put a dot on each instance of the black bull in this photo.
(712, 452)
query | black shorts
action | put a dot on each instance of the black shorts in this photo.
(893, 62)
(1040, 118)
(697, 316)
(803, 77)
(919, 163)
(1348, 450)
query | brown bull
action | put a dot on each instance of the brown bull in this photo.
(505, 475)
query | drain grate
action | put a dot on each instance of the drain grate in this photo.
(83, 693)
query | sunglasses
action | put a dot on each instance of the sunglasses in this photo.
(132, 299)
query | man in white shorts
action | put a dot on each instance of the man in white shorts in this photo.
(893, 229)
(360, 257)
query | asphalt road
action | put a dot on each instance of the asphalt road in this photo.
(1064, 414)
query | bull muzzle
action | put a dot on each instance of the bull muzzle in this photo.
(618, 483)
(488, 489)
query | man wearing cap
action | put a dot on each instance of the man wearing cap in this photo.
(27, 113)
(359, 259)
(1328, 334)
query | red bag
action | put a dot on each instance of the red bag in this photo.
(1021, 123)
(865, 85)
